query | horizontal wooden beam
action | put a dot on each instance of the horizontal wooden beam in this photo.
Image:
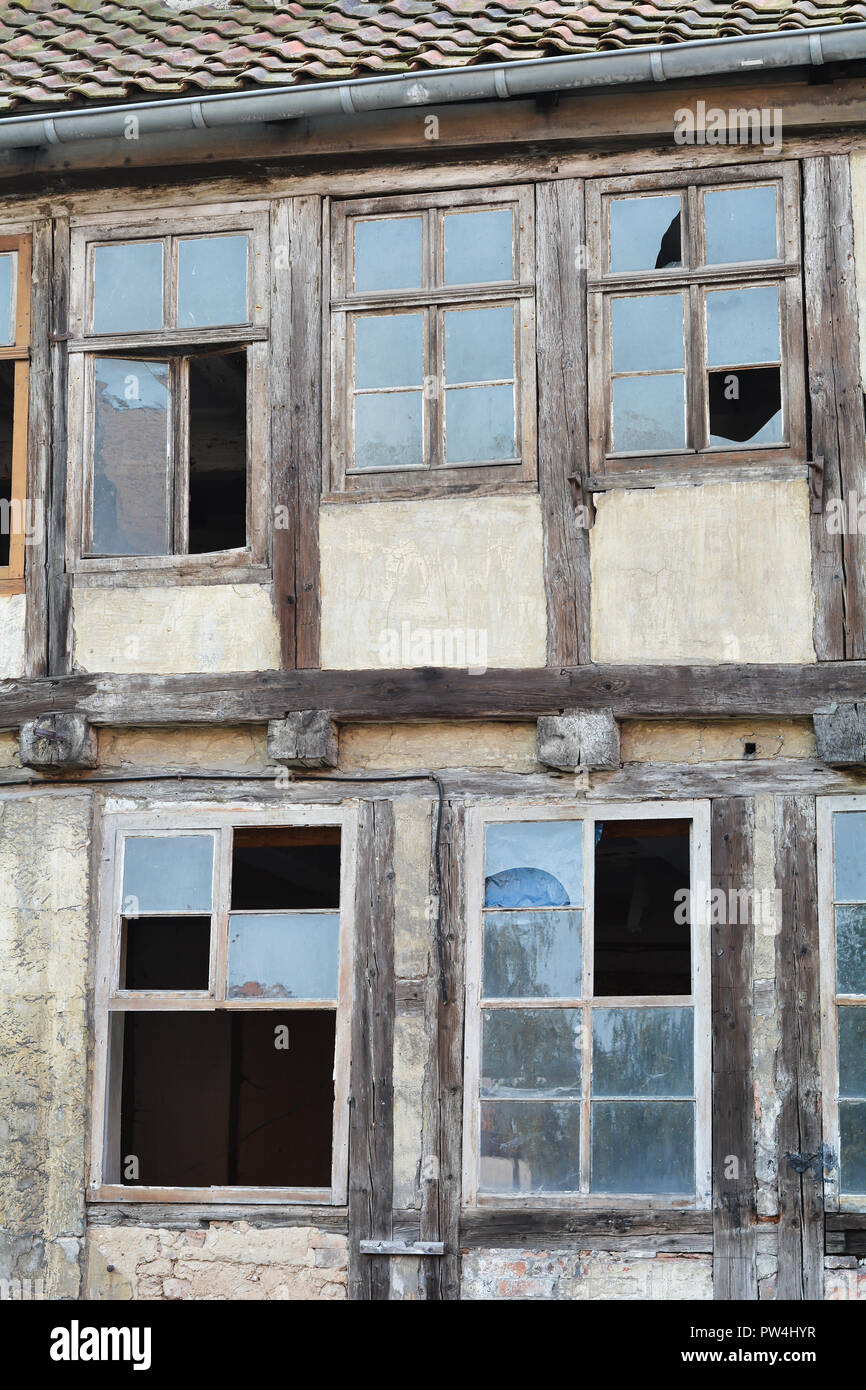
(527, 1229)
(683, 692)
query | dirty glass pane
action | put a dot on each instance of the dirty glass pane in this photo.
(127, 287)
(479, 247)
(534, 864)
(479, 424)
(388, 254)
(852, 1143)
(645, 233)
(530, 1052)
(388, 430)
(743, 325)
(642, 1052)
(131, 432)
(283, 955)
(167, 873)
(851, 950)
(643, 1146)
(388, 351)
(849, 857)
(530, 1146)
(532, 954)
(649, 413)
(479, 344)
(852, 1050)
(740, 225)
(746, 406)
(647, 332)
(212, 281)
(8, 272)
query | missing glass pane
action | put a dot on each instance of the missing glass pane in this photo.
(217, 452)
(285, 867)
(642, 917)
(746, 406)
(229, 1098)
(7, 411)
(165, 953)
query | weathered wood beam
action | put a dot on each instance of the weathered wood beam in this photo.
(840, 735)
(452, 928)
(306, 739)
(629, 692)
(580, 738)
(59, 741)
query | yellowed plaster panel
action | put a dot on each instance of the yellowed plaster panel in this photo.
(406, 747)
(720, 572)
(663, 741)
(208, 627)
(450, 582)
(241, 749)
(11, 635)
(858, 199)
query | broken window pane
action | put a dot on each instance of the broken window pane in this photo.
(276, 867)
(168, 873)
(743, 325)
(479, 424)
(849, 857)
(647, 333)
(534, 864)
(8, 274)
(645, 233)
(642, 1052)
(852, 1051)
(127, 287)
(165, 953)
(530, 1146)
(479, 247)
(388, 254)
(7, 424)
(649, 413)
(212, 281)
(131, 480)
(746, 406)
(285, 955)
(740, 225)
(852, 1143)
(479, 344)
(228, 1098)
(643, 1147)
(642, 916)
(533, 954)
(217, 452)
(851, 949)
(531, 1052)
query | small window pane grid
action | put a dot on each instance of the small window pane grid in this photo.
(432, 337)
(842, 922)
(172, 889)
(695, 320)
(159, 324)
(573, 1098)
(15, 269)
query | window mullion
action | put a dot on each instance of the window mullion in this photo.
(220, 917)
(179, 469)
(586, 1011)
(697, 436)
(434, 386)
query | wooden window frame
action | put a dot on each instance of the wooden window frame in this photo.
(219, 822)
(170, 226)
(785, 271)
(435, 478)
(478, 818)
(12, 575)
(827, 808)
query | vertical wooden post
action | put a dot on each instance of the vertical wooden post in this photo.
(371, 1096)
(798, 1061)
(450, 1036)
(59, 593)
(734, 1197)
(39, 452)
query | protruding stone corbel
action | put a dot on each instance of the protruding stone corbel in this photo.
(307, 739)
(579, 738)
(840, 735)
(61, 741)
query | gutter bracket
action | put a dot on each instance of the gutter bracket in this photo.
(657, 66)
(816, 52)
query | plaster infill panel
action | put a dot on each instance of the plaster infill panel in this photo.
(721, 572)
(11, 636)
(175, 631)
(448, 582)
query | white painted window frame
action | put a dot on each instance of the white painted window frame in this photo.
(700, 998)
(218, 821)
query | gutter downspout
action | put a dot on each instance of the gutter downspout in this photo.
(495, 81)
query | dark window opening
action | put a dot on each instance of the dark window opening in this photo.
(743, 401)
(670, 248)
(280, 868)
(7, 401)
(642, 908)
(217, 452)
(215, 1099)
(165, 953)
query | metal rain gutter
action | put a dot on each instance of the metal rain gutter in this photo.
(522, 78)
